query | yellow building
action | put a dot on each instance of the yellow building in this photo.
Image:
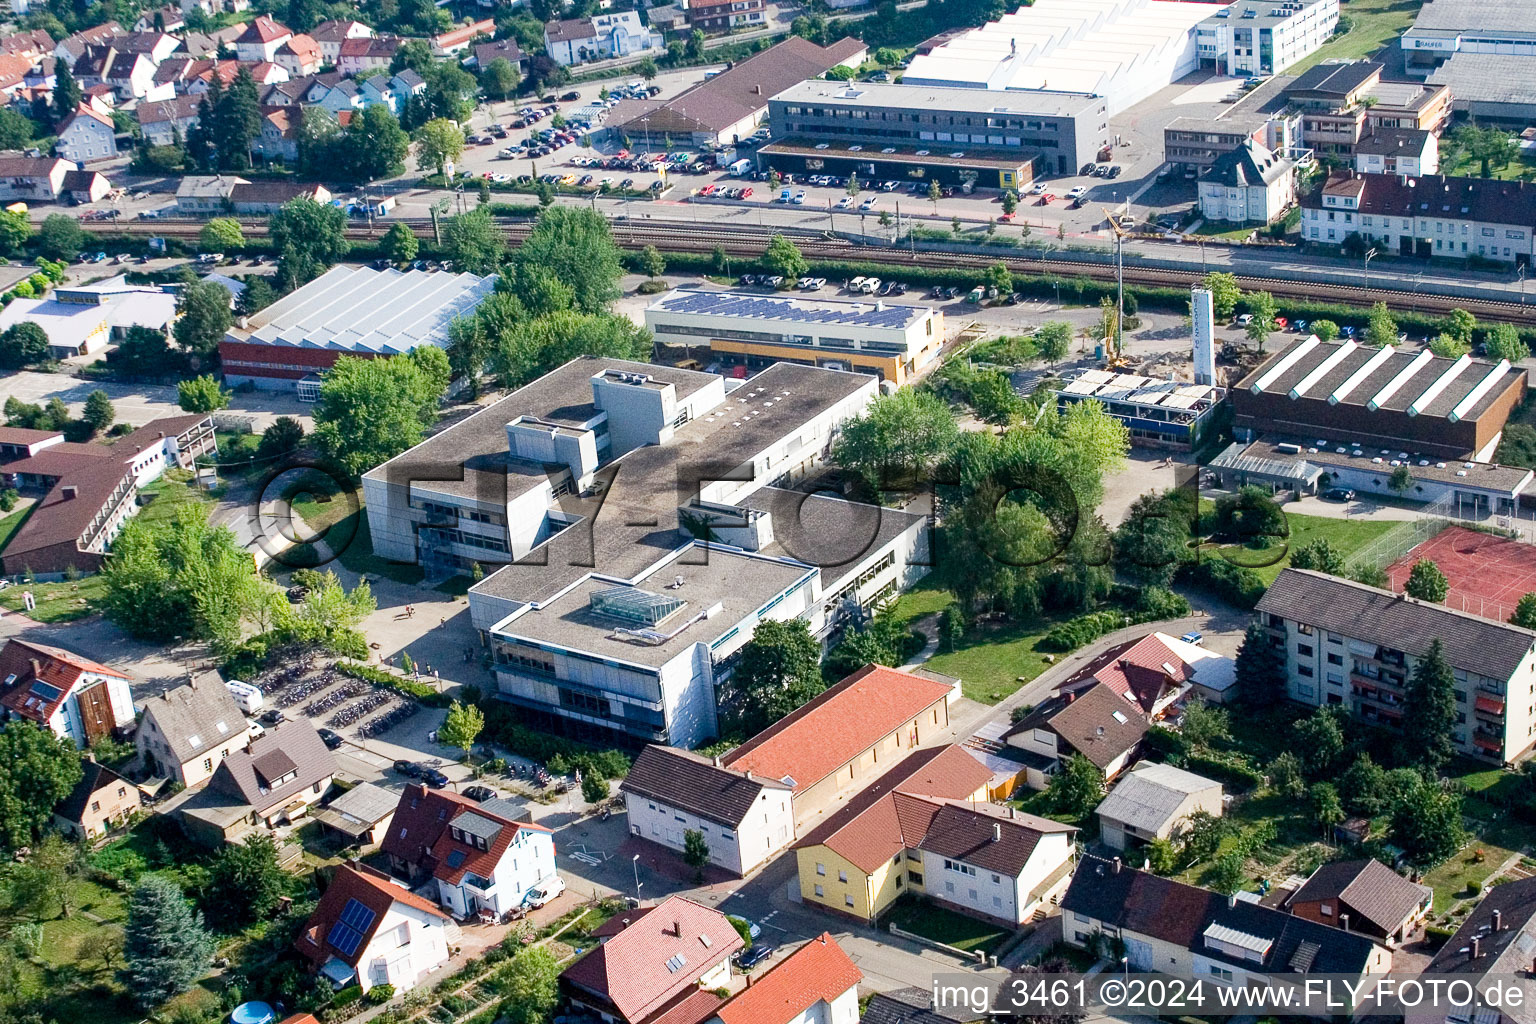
(890, 341)
(925, 827)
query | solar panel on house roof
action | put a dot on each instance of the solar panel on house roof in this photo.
(760, 308)
(456, 858)
(350, 927)
(46, 691)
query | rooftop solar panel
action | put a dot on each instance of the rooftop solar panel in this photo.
(348, 931)
(46, 691)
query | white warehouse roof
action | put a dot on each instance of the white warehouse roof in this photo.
(358, 309)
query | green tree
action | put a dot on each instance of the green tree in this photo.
(1429, 709)
(1259, 669)
(696, 852)
(461, 726)
(1326, 330)
(1010, 202)
(1400, 480)
(40, 885)
(257, 296)
(1250, 516)
(1076, 789)
(782, 257)
(1320, 740)
(41, 769)
(1325, 806)
(1459, 325)
(164, 942)
(101, 945)
(530, 986)
(23, 344)
(1525, 612)
(15, 231)
(1203, 835)
(400, 242)
(999, 277)
(1153, 540)
(652, 262)
(1054, 340)
(647, 69)
(1262, 309)
(594, 788)
(1380, 328)
(1427, 825)
(1285, 775)
(248, 880)
(205, 316)
(98, 412)
(66, 92)
(1447, 346)
(1426, 582)
(576, 247)
(779, 669)
(373, 145)
(898, 437)
(534, 347)
(283, 436)
(695, 46)
(438, 143)
(1320, 556)
(221, 234)
(499, 78)
(1204, 724)
(371, 410)
(473, 241)
(1363, 787)
(1225, 292)
(201, 394)
(1503, 342)
(935, 193)
(310, 238)
(1227, 875)
(60, 237)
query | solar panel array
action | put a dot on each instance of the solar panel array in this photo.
(759, 308)
(47, 691)
(348, 931)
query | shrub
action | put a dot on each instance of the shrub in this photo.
(409, 687)
(652, 287)
(380, 994)
(1234, 773)
(1084, 629)
(1232, 583)
(347, 996)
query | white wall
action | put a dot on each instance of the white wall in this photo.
(407, 945)
(765, 830)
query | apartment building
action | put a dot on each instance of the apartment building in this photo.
(642, 534)
(1354, 646)
(1264, 38)
(725, 15)
(755, 331)
(1410, 151)
(1248, 185)
(1427, 216)
(605, 35)
(1342, 102)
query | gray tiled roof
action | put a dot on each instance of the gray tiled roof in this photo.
(294, 745)
(195, 718)
(1474, 644)
(1367, 888)
(692, 783)
(1152, 793)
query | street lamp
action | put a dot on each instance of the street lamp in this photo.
(1520, 273)
(1369, 253)
(636, 863)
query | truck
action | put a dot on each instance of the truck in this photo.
(741, 168)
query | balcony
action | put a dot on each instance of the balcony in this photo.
(1489, 706)
(1489, 744)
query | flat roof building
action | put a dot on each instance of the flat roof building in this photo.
(1490, 86)
(1122, 50)
(1158, 413)
(910, 131)
(354, 311)
(1263, 37)
(890, 341)
(1446, 27)
(640, 533)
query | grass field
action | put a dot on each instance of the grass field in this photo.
(12, 522)
(947, 926)
(1347, 536)
(1462, 876)
(1377, 23)
(57, 602)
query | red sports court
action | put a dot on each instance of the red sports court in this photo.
(1488, 575)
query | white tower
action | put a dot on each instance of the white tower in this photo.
(1203, 317)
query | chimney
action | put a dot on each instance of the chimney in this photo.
(1477, 946)
(997, 832)
(717, 760)
(757, 90)
(1117, 865)
(1010, 810)
(823, 938)
(37, 667)
(70, 493)
(1344, 921)
(1498, 920)
(677, 927)
(1232, 901)
(624, 924)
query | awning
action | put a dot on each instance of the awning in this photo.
(339, 971)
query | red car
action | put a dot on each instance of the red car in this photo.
(1045, 199)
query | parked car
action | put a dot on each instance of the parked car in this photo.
(1339, 494)
(754, 956)
(1193, 637)
(273, 717)
(570, 97)
(480, 794)
(545, 891)
(331, 739)
(434, 778)
(410, 769)
(1077, 191)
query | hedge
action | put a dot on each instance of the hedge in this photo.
(503, 729)
(1236, 773)
(420, 691)
(1232, 583)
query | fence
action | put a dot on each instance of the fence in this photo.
(1402, 538)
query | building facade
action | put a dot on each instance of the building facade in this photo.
(1249, 185)
(368, 931)
(76, 699)
(1253, 38)
(725, 15)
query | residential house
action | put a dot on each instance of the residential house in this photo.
(603, 36)
(86, 186)
(200, 195)
(480, 858)
(846, 736)
(73, 697)
(163, 19)
(911, 1005)
(271, 782)
(156, 44)
(1346, 644)
(1364, 896)
(506, 49)
(1492, 947)
(33, 44)
(290, 93)
(32, 179)
(457, 40)
(211, 44)
(130, 75)
(361, 816)
(345, 94)
(267, 74)
(72, 48)
(366, 53)
(1097, 723)
(1180, 929)
(101, 801)
(668, 19)
(262, 38)
(86, 135)
(744, 818)
(164, 122)
(726, 15)
(925, 828)
(22, 443)
(1340, 102)
(200, 77)
(186, 733)
(1152, 673)
(1248, 185)
(663, 967)
(13, 73)
(300, 55)
(100, 98)
(816, 984)
(1410, 151)
(212, 7)
(278, 140)
(264, 198)
(1154, 801)
(331, 34)
(367, 930)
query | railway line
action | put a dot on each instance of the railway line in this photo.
(748, 241)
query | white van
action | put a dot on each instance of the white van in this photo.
(247, 696)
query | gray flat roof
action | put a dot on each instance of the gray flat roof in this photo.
(745, 306)
(739, 583)
(825, 530)
(1488, 78)
(1487, 476)
(1453, 17)
(969, 156)
(891, 95)
(1263, 14)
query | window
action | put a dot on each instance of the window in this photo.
(1304, 650)
(1334, 659)
(821, 869)
(1220, 972)
(847, 899)
(207, 764)
(96, 805)
(842, 876)
(1304, 671)
(820, 891)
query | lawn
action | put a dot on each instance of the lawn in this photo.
(57, 602)
(1377, 23)
(356, 551)
(1347, 536)
(1520, 167)
(315, 498)
(947, 926)
(1464, 875)
(11, 523)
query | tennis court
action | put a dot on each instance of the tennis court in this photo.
(1488, 575)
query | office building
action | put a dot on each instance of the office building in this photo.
(1158, 413)
(1262, 37)
(1262, 116)
(1354, 646)
(1444, 28)
(351, 311)
(642, 534)
(890, 341)
(953, 135)
(1490, 87)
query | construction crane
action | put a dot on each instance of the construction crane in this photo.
(1120, 233)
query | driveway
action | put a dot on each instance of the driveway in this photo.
(137, 404)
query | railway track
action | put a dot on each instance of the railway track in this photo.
(748, 241)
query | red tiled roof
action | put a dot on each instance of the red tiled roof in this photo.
(817, 739)
(465, 33)
(56, 667)
(1138, 670)
(264, 30)
(419, 819)
(84, 111)
(374, 890)
(13, 68)
(303, 46)
(694, 1008)
(631, 970)
(818, 971)
(22, 435)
